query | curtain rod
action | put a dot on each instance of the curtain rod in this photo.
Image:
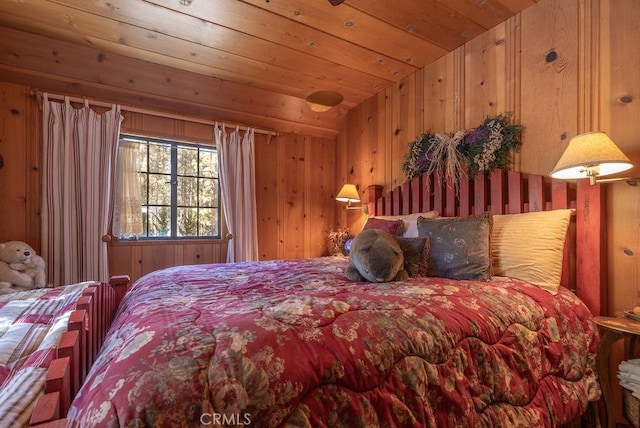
(132, 109)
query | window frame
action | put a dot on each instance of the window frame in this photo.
(174, 145)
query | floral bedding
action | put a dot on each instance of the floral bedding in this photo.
(294, 343)
(31, 324)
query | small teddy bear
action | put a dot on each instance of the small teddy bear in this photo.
(20, 268)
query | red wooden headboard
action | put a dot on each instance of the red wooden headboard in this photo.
(508, 192)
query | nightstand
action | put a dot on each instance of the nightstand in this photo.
(614, 328)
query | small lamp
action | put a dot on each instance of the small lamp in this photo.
(349, 194)
(591, 155)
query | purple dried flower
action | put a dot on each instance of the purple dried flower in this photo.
(476, 135)
(423, 162)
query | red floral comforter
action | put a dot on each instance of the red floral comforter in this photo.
(295, 343)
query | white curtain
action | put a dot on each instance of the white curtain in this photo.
(127, 205)
(237, 185)
(78, 158)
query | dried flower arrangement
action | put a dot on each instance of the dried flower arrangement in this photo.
(338, 238)
(485, 148)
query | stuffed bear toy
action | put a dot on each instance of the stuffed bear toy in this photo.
(20, 268)
(375, 256)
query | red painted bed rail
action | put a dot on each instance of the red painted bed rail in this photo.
(78, 349)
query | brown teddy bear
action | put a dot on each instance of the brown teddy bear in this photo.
(375, 256)
(20, 267)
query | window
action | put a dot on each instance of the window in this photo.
(179, 189)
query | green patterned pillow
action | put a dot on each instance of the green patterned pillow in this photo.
(460, 246)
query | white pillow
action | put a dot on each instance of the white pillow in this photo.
(530, 246)
(410, 221)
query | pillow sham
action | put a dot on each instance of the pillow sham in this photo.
(410, 221)
(416, 254)
(394, 227)
(530, 246)
(460, 246)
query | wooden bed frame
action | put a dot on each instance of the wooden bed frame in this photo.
(499, 192)
(77, 350)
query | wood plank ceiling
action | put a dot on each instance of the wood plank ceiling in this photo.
(250, 62)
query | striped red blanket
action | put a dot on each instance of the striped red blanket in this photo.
(31, 323)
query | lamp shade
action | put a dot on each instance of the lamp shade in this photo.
(348, 193)
(590, 155)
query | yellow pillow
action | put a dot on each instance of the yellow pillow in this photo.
(530, 246)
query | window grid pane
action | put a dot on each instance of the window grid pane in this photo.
(159, 157)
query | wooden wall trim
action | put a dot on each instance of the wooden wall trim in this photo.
(588, 66)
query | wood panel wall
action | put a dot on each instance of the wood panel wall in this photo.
(294, 179)
(20, 176)
(562, 67)
(298, 172)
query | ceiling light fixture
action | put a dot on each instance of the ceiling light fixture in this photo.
(323, 100)
(335, 2)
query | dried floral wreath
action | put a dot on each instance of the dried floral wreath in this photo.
(487, 147)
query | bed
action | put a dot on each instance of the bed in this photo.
(294, 343)
(48, 339)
